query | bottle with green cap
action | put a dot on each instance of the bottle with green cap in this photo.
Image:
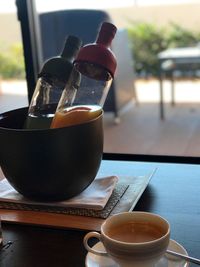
(51, 82)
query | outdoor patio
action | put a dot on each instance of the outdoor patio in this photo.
(141, 131)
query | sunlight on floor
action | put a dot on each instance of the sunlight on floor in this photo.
(13, 87)
(186, 91)
(13, 94)
(143, 131)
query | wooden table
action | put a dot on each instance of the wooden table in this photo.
(173, 192)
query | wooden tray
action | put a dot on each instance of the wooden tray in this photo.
(137, 185)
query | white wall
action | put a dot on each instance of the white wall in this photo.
(187, 15)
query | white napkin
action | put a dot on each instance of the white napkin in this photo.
(93, 197)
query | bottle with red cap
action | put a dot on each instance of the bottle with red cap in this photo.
(87, 88)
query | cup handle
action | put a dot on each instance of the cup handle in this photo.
(85, 242)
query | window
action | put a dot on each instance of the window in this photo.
(13, 89)
(151, 28)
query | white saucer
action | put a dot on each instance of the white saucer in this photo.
(93, 260)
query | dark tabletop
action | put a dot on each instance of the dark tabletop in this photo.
(173, 192)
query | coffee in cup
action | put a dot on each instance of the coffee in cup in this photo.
(133, 239)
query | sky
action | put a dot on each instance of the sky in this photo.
(8, 6)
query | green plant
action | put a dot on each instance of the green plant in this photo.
(147, 40)
(180, 37)
(12, 62)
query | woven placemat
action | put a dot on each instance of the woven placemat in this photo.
(117, 193)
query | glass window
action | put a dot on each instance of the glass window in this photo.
(149, 117)
(13, 88)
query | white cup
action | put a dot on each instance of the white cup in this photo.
(133, 239)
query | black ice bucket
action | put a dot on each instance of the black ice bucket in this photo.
(50, 164)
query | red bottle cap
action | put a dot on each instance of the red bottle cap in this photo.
(98, 53)
(106, 34)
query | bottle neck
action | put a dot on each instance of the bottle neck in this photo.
(104, 40)
(69, 53)
(106, 34)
